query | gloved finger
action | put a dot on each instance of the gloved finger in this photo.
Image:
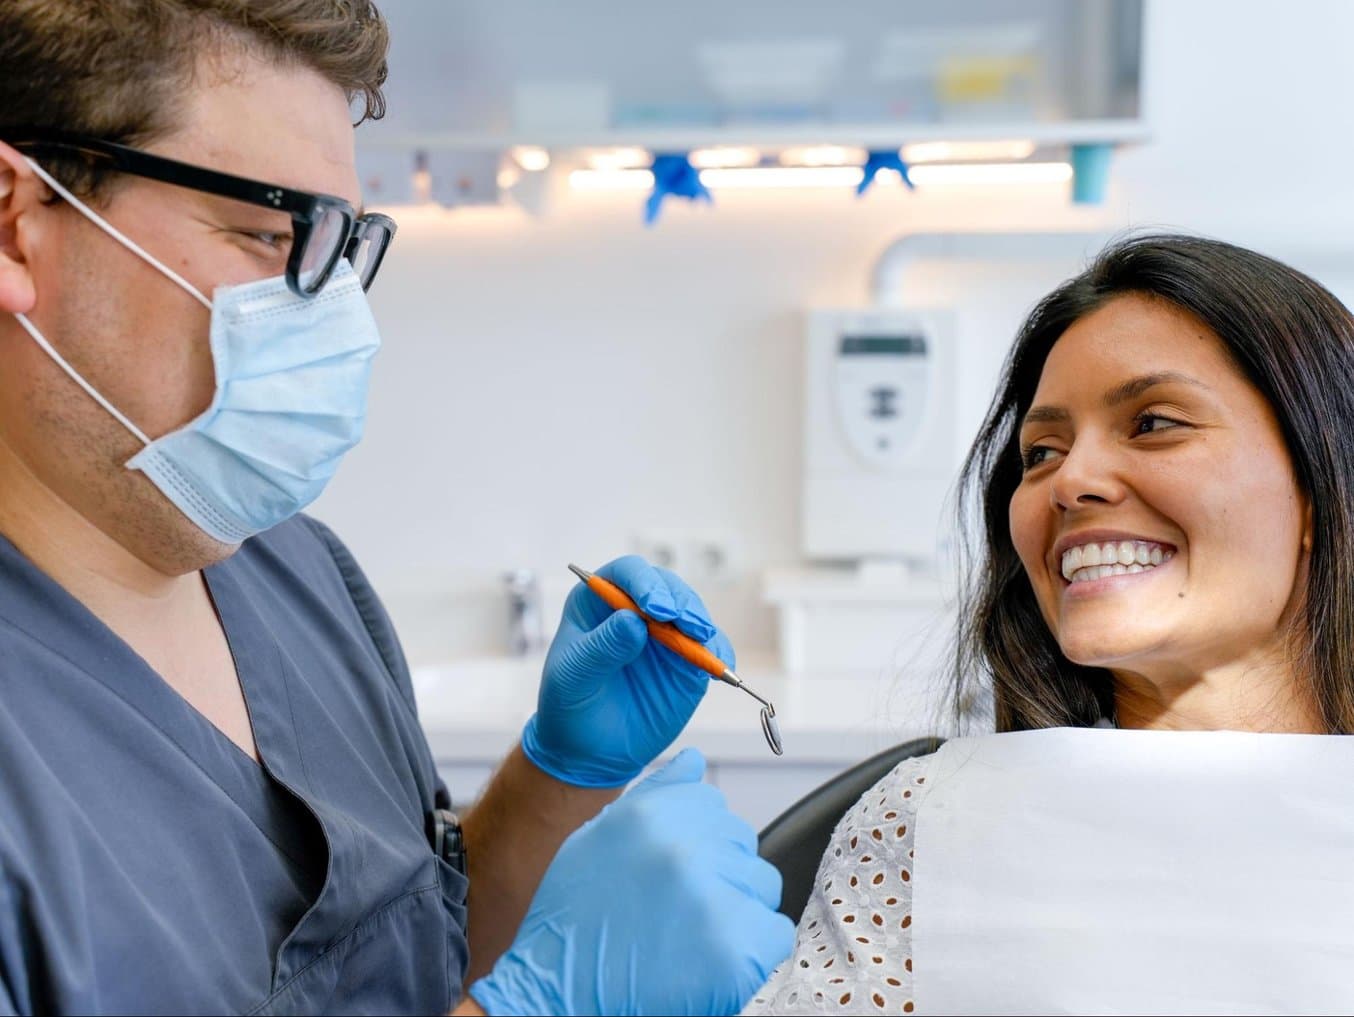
(726, 830)
(616, 642)
(687, 767)
(735, 830)
(692, 617)
(754, 876)
(719, 645)
(768, 939)
(644, 585)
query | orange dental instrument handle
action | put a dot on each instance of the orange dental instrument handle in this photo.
(663, 632)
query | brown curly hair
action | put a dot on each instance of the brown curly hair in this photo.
(116, 69)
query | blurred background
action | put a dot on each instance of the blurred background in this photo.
(768, 391)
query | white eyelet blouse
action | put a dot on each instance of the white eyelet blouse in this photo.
(853, 948)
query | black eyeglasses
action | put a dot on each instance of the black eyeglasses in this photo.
(324, 228)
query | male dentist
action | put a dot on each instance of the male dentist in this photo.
(214, 792)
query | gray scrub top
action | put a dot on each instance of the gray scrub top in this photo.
(147, 865)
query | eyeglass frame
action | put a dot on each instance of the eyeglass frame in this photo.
(304, 207)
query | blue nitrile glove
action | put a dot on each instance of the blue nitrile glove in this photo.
(659, 905)
(673, 175)
(611, 698)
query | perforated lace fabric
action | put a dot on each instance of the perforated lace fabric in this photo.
(853, 947)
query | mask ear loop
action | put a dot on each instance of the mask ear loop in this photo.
(136, 249)
(75, 376)
(117, 234)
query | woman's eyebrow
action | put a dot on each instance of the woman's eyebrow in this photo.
(1130, 389)
(1137, 386)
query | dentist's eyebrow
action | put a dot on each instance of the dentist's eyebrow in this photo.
(1121, 393)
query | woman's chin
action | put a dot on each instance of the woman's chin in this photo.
(1125, 651)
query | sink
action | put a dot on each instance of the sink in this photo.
(475, 691)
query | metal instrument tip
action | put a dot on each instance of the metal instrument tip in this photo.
(770, 728)
(582, 574)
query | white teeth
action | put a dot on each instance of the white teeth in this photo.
(1090, 561)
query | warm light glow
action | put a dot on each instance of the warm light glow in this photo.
(611, 180)
(967, 151)
(823, 155)
(531, 158)
(423, 185)
(833, 176)
(507, 176)
(782, 176)
(724, 157)
(992, 173)
(619, 159)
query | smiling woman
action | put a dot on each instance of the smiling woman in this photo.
(1177, 398)
(1164, 485)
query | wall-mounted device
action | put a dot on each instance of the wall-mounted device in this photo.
(879, 437)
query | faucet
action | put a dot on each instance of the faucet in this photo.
(526, 630)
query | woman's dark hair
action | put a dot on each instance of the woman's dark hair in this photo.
(1294, 341)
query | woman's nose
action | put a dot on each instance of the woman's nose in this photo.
(1087, 475)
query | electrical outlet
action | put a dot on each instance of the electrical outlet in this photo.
(704, 560)
(711, 560)
(661, 549)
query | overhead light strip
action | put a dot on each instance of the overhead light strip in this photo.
(765, 177)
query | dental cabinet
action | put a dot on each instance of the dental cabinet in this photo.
(482, 80)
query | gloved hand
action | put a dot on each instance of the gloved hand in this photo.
(611, 698)
(659, 905)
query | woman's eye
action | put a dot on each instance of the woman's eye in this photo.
(1033, 455)
(1146, 423)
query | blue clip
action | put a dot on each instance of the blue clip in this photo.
(887, 159)
(1090, 173)
(673, 174)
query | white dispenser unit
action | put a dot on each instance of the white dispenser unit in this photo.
(879, 438)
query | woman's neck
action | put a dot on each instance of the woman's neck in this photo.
(1242, 696)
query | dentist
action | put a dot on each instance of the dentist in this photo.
(214, 792)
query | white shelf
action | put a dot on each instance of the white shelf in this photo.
(771, 136)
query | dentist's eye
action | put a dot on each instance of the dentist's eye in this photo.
(274, 242)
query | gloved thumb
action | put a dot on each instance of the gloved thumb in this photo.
(688, 767)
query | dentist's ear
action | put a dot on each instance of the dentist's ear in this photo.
(1307, 528)
(21, 193)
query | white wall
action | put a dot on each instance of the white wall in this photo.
(551, 388)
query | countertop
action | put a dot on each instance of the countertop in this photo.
(473, 710)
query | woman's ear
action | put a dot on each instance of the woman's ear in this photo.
(21, 192)
(1307, 526)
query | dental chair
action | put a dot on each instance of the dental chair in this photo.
(795, 840)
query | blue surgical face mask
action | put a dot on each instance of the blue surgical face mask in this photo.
(291, 397)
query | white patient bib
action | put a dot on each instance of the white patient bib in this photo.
(1093, 871)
